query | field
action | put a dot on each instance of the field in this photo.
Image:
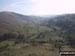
(30, 49)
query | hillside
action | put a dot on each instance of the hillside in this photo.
(10, 21)
(67, 25)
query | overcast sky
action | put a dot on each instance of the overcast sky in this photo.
(38, 7)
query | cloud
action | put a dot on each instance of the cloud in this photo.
(42, 7)
(53, 6)
(22, 7)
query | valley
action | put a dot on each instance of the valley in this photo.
(23, 35)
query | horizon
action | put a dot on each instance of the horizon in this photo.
(38, 7)
(49, 15)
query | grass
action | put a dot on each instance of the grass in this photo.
(7, 42)
(27, 49)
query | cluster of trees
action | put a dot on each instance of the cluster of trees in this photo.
(7, 36)
(41, 37)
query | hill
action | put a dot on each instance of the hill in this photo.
(21, 28)
(10, 21)
(67, 25)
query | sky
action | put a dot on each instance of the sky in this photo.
(38, 7)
